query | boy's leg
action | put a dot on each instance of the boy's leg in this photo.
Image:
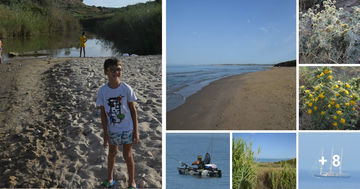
(84, 51)
(80, 51)
(128, 156)
(111, 161)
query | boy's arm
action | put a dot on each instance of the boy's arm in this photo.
(136, 137)
(104, 125)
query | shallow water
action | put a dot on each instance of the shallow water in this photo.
(60, 46)
(183, 81)
(186, 148)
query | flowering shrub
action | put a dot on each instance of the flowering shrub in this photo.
(329, 35)
(330, 104)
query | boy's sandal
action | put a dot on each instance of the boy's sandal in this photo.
(132, 187)
(107, 184)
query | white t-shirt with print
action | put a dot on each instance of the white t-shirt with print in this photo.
(115, 102)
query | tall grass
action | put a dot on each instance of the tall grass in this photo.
(285, 178)
(244, 167)
(26, 19)
(17, 22)
(136, 29)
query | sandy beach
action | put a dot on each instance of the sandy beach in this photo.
(50, 127)
(264, 100)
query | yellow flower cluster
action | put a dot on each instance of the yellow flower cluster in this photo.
(330, 102)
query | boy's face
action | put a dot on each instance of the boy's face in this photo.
(113, 72)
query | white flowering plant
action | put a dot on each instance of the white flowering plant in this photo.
(329, 104)
(329, 34)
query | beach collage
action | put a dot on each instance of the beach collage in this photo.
(180, 94)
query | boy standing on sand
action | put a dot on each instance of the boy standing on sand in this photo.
(119, 119)
(83, 40)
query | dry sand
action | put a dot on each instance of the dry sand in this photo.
(260, 100)
(50, 131)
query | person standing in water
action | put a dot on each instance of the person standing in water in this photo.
(83, 40)
(0, 52)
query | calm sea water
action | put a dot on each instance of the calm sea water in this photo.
(186, 148)
(183, 81)
(308, 181)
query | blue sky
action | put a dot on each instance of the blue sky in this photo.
(272, 145)
(311, 145)
(230, 31)
(113, 3)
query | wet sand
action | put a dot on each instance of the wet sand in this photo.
(264, 100)
(50, 127)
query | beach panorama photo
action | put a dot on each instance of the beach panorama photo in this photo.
(231, 66)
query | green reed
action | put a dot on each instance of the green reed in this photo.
(28, 19)
(136, 28)
(244, 167)
(285, 178)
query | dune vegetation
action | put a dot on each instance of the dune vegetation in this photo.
(277, 175)
(249, 174)
(328, 34)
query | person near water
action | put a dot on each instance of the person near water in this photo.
(0, 51)
(83, 40)
(199, 162)
(116, 100)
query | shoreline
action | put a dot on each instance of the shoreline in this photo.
(211, 81)
(234, 102)
(51, 134)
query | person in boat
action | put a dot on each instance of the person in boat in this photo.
(199, 162)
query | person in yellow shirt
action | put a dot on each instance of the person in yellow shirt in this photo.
(83, 40)
(0, 51)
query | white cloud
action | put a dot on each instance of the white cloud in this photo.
(290, 37)
(264, 29)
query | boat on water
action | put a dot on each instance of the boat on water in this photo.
(336, 161)
(209, 170)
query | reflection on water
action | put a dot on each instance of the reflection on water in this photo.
(60, 46)
(94, 48)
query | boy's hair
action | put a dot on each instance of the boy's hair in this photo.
(83, 33)
(111, 62)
